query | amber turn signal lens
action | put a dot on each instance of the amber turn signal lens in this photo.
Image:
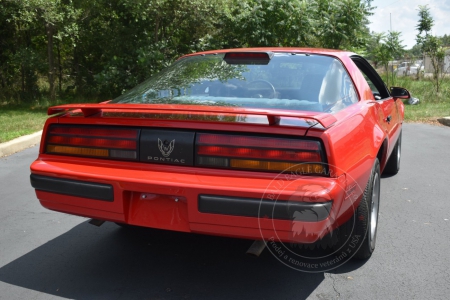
(77, 151)
(300, 168)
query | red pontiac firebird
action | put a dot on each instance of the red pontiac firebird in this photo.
(284, 144)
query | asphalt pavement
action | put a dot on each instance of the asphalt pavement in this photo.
(50, 255)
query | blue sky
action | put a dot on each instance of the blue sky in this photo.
(404, 14)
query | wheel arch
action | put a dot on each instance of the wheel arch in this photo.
(382, 154)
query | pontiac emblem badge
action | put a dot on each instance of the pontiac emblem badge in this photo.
(164, 148)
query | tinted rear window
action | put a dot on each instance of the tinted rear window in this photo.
(287, 81)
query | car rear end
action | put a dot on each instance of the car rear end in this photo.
(228, 170)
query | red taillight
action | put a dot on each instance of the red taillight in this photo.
(260, 153)
(98, 132)
(284, 155)
(92, 141)
(95, 142)
(250, 141)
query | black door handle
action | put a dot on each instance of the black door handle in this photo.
(388, 119)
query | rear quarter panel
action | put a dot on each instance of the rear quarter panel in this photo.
(354, 141)
(352, 144)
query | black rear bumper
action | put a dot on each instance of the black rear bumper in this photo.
(84, 189)
(264, 208)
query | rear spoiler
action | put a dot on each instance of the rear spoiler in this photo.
(273, 116)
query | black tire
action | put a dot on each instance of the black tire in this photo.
(366, 215)
(359, 233)
(393, 164)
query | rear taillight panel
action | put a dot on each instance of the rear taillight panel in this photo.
(260, 153)
(108, 142)
(189, 148)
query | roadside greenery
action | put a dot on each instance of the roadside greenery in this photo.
(427, 112)
(382, 49)
(97, 49)
(432, 104)
(423, 88)
(430, 45)
(386, 48)
(16, 121)
(62, 51)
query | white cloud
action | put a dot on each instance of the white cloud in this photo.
(403, 15)
(446, 5)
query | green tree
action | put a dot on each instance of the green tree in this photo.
(394, 44)
(445, 40)
(321, 23)
(256, 23)
(19, 54)
(48, 20)
(385, 48)
(395, 48)
(430, 45)
(341, 24)
(373, 47)
(99, 48)
(123, 42)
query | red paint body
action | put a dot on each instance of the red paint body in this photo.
(145, 193)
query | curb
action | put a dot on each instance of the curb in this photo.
(444, 121)
(20, 143)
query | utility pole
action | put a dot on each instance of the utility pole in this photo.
(392, 63)
(390, 21)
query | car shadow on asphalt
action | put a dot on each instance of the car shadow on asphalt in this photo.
(383, 175)
(111, 262)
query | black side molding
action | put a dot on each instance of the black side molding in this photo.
(84, 189)
(265, 208)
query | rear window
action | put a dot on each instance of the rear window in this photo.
(286, 81)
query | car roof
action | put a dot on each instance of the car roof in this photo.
(329, 52)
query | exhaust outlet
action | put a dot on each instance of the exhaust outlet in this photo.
(256, 248)
(96, 222)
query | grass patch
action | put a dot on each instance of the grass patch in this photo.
(427, 112)
(424, 89)
(432, 105)
(19, 120)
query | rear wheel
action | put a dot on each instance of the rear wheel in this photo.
(393, 165)
(360, 232)
(366, 221)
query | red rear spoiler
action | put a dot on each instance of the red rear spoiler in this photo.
(324, 119)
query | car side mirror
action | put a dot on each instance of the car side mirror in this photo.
(399, 92)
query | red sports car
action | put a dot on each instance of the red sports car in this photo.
(282, 145)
